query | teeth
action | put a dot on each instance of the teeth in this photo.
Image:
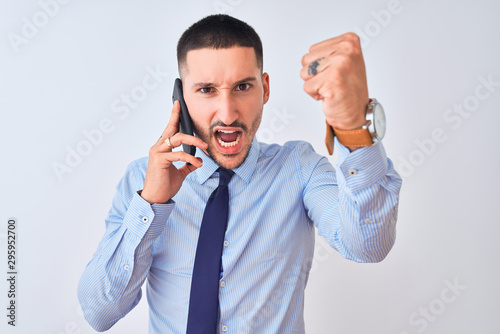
(226, 131)
(231, 144)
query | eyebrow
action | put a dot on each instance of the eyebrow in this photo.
(239, 82)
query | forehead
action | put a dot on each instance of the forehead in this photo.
(208, 63)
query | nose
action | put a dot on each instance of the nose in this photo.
(227, 111)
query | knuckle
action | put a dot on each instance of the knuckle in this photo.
(174, 138)
(344, 62)
(303, 73)
(355, 42)
(303, 60)
(152, 150)
(315, 46)
(306, 87)
(353, 37)
(347, 46)
(309, 89)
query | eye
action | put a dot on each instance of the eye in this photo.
(207, 90)
(243, 86)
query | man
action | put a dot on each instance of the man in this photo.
(274, 196)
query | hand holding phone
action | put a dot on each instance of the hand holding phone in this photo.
(163, 179)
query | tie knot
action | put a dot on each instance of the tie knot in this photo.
(225, 176)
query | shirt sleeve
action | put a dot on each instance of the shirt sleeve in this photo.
(110, 285)
(354, 206)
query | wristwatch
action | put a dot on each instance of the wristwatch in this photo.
(371, 132)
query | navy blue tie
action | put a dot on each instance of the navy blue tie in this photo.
(204, 298)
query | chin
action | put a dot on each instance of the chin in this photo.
(229, 145)
(229, 161)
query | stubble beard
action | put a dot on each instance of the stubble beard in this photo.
(211, 151)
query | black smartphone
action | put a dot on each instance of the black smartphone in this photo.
(185, 124)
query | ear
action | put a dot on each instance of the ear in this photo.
(265, 85)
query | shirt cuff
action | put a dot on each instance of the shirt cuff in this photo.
(362, 167)
(144, 219)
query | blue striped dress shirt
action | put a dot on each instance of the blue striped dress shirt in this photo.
(277, 196)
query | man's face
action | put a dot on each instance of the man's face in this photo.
(225, 93)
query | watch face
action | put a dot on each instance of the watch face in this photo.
(379, 121)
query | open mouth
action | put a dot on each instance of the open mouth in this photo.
(229, 140)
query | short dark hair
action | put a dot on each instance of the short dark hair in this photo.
(218, 31)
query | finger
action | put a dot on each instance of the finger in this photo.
(327, 42)
(312, 56)
(313, 86)
(344, 43)
(166, 146)
(343, 72)
(322, 87)
(337, 64)
(181, 138)
(345, 47)
(181, 156)
(188, 168)
(314, 68)
(349, 36)
(320, 54)
(173, 124)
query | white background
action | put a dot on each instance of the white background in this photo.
(425, 59)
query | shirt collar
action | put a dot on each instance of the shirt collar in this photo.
(245, 171)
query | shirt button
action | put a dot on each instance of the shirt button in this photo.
(226, 243)
(224, 328)
(126, 267)
(145, 219)
(222, 284)
(352, 171)
(368, 221)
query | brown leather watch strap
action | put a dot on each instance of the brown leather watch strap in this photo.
(349, 138)
(329, 140)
